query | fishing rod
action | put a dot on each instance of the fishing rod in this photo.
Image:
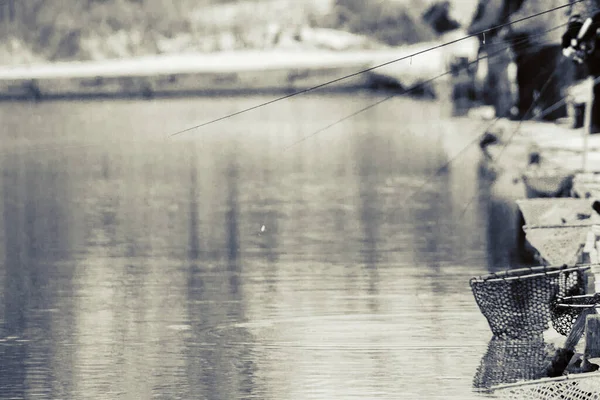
(487, 56)
(477, 138)
(525, 41)
(542, 114)
(417, 87)
(476, 34)
(131, 141)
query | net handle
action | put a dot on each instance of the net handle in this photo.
(570, 377)
(535, 272)
(597, 305)
(556, 226)
(582, 296)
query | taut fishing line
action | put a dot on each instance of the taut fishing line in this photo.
(477, 137)
(408, 91)
(475, 140)
(542, 114)
(373, 68)
(526, 42)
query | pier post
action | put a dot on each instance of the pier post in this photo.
(592, 339)
(587, 126)
(594, 275)
(591, 255)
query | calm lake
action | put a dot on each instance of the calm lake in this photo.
(224, 264)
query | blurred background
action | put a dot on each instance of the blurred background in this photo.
(37, 30)
(319, 247)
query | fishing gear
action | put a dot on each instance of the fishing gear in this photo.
(429, 49)
(580, 41)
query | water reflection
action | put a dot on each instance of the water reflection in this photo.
(510, 361)
(232, 217)
(36, 207)
(142, 269)
(194, 195)
(369, 177)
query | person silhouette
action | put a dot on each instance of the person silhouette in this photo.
(580, 43)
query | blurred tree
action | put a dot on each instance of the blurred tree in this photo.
(60, 29)
(390, 22)
(438, 17)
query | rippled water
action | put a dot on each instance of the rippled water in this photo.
(215, 264)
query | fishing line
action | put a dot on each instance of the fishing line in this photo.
(441, 169)
(526, 42)
(405, 92)
(531, 107)
(464, 149)
(373, 68)
(476, 139)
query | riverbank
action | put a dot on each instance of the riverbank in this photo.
(234, 72)
(90, 31)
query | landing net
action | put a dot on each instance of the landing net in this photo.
(511, 361)
(571, 387)
(566, 310)
(517, 303)
(558, 228)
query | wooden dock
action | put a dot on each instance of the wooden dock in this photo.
(544, 157)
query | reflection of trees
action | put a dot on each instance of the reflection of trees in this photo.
(501, 220)
(502, 234)
(36, 204)
(509, 361)
(194, 239)
(219, 360)
(232, 217)
(369, 176)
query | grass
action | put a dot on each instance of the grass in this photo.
(91, 29)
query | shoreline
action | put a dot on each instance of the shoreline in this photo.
(229, 73)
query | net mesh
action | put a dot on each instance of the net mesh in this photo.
(517, 303)
(577, 387)
(564, 314)
(510, 361)
(558, 245)
(553, 183)
(558, 228)
(558, 211)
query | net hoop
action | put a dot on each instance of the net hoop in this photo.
(517, 303)
(540, 382)
(531, 272)
(579, 301)
(566, 310)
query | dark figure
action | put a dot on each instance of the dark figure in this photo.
(535, 60)
(540, 76)
(581, 43)
(438, 17)
(536, 77)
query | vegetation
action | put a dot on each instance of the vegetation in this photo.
(93, 29)
(390, 22)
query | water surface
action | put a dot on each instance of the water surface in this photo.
(224, 264)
